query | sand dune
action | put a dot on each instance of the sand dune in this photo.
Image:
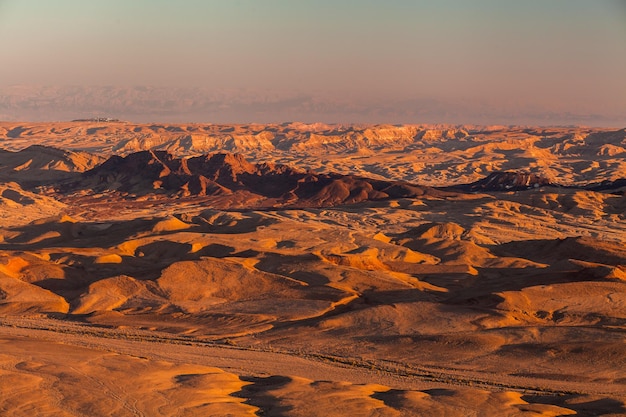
(224, 284)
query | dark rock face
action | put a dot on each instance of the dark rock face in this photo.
(507, 181)
(616, 187)
(158, 172)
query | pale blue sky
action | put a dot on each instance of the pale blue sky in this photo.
(531, 56)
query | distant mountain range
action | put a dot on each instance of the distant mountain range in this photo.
(183, 105)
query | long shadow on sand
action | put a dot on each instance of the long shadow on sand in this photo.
(581, 248)
(59, 233)
(258, 394)
(600, 407)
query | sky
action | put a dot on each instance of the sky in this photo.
(346, 61)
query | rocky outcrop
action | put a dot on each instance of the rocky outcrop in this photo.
(615, 187)
(507, 181)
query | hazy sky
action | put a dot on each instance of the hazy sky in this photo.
(500, 61)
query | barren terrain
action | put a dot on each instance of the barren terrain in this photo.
(311, 270)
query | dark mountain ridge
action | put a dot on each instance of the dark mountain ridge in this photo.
(503, 181)
(507, 181)
(159, 172)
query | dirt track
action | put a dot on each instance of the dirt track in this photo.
(251, 361)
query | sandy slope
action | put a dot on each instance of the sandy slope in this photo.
(175, 380)
(491, 304)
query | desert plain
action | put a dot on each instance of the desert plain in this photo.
(311, 270)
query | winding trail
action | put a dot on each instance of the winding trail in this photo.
(257, 362)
